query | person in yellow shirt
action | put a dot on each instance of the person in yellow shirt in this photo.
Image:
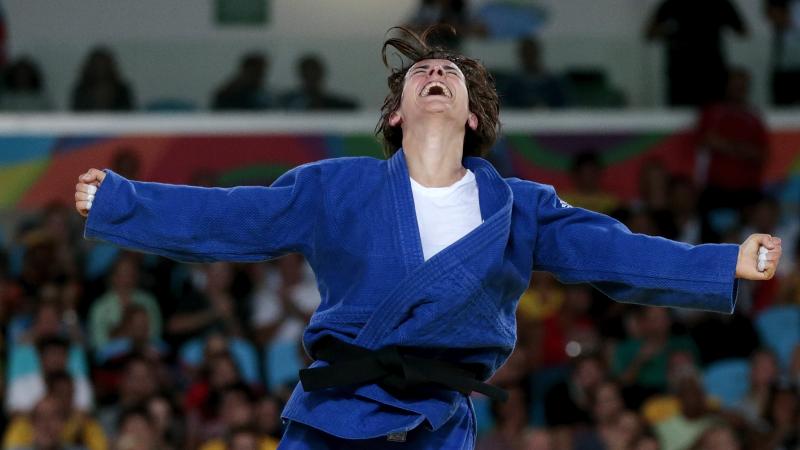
(237, 417)
(78, 429)
(586, 173)
(242, 438)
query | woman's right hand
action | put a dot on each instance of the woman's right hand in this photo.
(86, 188)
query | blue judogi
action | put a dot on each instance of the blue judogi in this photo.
(354, 220)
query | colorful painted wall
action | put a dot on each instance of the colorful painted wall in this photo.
(37, 169)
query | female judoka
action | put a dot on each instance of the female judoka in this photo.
(420, 258)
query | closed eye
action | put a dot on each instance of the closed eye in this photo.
(453, 71)
(450, 70)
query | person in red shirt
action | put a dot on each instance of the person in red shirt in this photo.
(734, 147)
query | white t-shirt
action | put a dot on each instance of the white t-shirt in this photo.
(446, 214)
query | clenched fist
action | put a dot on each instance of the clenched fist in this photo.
(747, 264)
(86, 188)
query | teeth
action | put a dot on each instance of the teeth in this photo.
(428, 87)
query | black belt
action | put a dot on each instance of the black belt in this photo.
(389, 367)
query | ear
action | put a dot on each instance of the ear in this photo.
(472, 122)
(395, 119)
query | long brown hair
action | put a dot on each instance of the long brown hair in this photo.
(483, 100)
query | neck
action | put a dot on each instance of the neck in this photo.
(433, 153)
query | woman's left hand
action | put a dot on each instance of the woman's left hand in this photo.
(747, 263)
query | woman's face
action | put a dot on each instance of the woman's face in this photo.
(223, 373)
(608, 402)
(434, 87)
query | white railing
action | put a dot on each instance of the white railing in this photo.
(305, 123)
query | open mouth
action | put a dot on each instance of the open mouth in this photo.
(436, 88)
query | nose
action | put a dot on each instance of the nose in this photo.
(436, 69)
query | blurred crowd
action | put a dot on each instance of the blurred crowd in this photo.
(692, 33)
(105, 349)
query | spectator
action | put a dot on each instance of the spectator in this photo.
(126, 162)
(607, 409)
(682, 430)
(58, 223)
(203, 396)
(236, 410)
(167, 420)
(781, 416)
(571, 331)
(79, 428)
(653, 187)
(140, 381)
(647, 441)
(23, 87)
(284, 300)
(42, 262)
(245, 90)
(785, 83)
(100, 87)
(311, 95)
(244, 438)
(695, 58)
(683, 209)
(514, 371)
(641, 361)
(569, 403)
(195, 355)
(48, 419)
(511, 418)
(733, 138)
(50, 355)
(532, 86)
(49, 320)
(590, 87)
(586, 174)
(662, 407)
(137, 431)
(627, 430)
(542, 300)
(268, 417)
(209, 306)
(718, 437)
(105, 316)
(764, 372)
(133, 337)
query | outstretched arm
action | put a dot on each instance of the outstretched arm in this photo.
(203, 224)
(578, 246)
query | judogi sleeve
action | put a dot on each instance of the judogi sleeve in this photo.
(206, 224)
(581, 246)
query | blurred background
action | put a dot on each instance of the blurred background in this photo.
(677, 117)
